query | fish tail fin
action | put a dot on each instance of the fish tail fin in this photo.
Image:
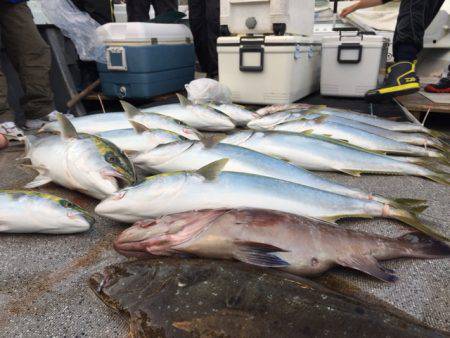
(422, 246)
(439, 177)
(416, 206)
(436, 133)
(410, 218)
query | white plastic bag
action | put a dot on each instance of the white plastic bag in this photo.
(208, 90)
(77, 26)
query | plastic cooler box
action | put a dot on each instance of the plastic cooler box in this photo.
(267, 17)
(269, 69)
(145, 59)
(352, 64)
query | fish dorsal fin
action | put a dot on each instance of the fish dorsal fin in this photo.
(211, 141)
(369, 265)
(139, 127)
(130, 110)
(183, 100)
(211, 171)
(68, 131)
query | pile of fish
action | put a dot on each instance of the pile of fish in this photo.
(248, 194)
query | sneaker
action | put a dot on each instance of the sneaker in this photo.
(52, 116)
(12, 133)
(401, 80)
(34, 124)
(443, 86)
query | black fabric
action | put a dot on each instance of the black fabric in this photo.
(413, 19)
(101, 11)
(138, 10)
(204, 19)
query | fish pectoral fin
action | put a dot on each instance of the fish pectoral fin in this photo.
(212, 170)
(38, 181)
(369, 265)
(354, 173)
(259, 254)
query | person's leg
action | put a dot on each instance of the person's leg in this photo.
(4, 106)
(198, 28)
(138, 10)
(413, 19)
(212, 30)
(164, 6)
(30, 56)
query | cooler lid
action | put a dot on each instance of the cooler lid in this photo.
(336, 39)
(271, 40)
(143, 33)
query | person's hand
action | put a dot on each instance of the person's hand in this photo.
(3, 141)
(350, 9)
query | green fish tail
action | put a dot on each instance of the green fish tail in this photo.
(411, 219)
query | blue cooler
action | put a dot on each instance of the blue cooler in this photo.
(145, 59)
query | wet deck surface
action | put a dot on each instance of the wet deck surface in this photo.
(43, 280)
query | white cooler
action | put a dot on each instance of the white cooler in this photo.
(352, 64)
(269, 69)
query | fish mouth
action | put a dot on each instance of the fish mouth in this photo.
(121, 180)
(131, 242)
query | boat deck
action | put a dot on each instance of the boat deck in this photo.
(43, 280)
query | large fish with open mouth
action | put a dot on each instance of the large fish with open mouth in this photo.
(81, 162)
(97, 123)
(270, 121)
(210, 188)
(324, 154)
(139, 138)
(360, 138)
(301, 246)
(191, 155)
(34, 212)
(201, 117)
(205, 298)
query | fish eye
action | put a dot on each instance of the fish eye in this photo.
(110, 158)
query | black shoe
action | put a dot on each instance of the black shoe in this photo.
(401, 80)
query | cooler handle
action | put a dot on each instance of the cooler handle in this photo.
(251, 49)
(349, 46)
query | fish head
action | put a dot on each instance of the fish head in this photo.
(155, 194)
(214, 117)
(116, 163)
(98, 167)
(162, 153)
(156, 237)
(158, 136)
(74, 216)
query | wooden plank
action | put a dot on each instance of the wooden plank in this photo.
(419, 103)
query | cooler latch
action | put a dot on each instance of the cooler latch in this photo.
(251, 55)
(349, 53)
(116, 59)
